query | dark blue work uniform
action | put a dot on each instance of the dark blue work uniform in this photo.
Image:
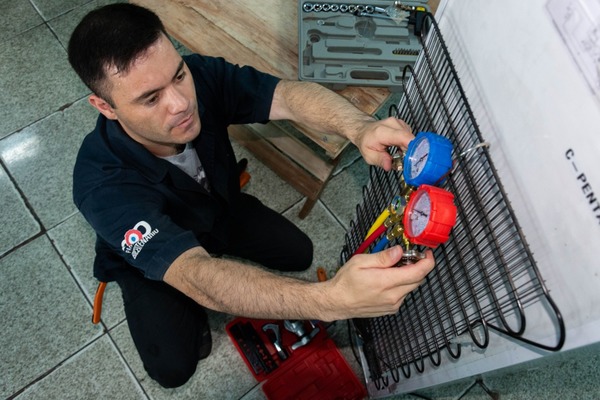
(146, 212)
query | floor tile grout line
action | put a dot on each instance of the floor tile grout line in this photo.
(61, 109)
(337, 219)
(252, 390)
(22, 244)
(46, 22)
(294, 204)
(17, 34)
(45, 374)
(28, 206)
(105, 332)
(39, 12)
(124, 360)
(79, 285)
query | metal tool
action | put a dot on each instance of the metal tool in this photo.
(253, 348)
(277, 341)
(297, 328)
(392, 10)
(371, 15)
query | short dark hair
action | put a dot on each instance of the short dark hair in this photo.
(111, 36)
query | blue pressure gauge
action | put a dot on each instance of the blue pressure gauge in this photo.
(427, 159)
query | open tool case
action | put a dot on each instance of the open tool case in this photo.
(362, 43)
(314, 370)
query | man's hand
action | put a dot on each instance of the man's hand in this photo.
(322, 110)
(374, 138)
(369, 285)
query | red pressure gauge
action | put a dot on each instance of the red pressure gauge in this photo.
(429, 216)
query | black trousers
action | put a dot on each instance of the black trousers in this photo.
(170, 331)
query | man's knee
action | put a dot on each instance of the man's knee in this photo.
(170, 331)
(172, 377)
(176, 371)
(300, 254)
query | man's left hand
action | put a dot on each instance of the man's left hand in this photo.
(375, 137)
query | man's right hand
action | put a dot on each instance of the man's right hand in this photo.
(369, 285)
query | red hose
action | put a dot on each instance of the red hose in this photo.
(365, 245)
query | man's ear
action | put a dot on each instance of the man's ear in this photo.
(103, 106)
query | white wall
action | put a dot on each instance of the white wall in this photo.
(536, 108)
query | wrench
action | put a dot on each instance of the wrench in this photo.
(297, 328)
(277, 342)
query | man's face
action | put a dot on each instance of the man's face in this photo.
(155, 101)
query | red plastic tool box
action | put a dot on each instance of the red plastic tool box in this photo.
(315, 370)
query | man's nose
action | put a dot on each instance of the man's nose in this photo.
(177, 101)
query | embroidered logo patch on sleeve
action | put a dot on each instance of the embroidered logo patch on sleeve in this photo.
(136, 238)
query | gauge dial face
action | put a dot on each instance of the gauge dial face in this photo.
(427, 159)
(419, 157)
(419, 213)
(429, 216)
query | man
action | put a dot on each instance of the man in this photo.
(158, 181)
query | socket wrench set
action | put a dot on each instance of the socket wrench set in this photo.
(294, 359)
(360, 43)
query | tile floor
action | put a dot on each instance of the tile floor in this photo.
(48, 347)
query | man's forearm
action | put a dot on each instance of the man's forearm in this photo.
(366, 286)
(318, 108)
(240, 289)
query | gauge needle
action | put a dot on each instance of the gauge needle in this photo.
(420, 160)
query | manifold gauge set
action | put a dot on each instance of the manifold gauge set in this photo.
(422, 214)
